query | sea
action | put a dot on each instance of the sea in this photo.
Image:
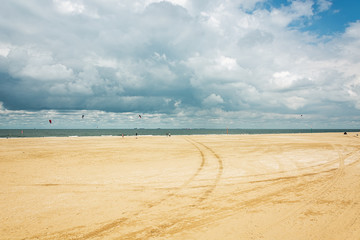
(28, 133)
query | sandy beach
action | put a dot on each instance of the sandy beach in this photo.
(284, 186)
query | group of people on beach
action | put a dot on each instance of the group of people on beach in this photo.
(136, 134)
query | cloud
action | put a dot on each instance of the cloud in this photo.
(295, 102)
(213, 100)
(69, 6)
(324, 5)
(46, 72)
(177, 61)
(283, 79)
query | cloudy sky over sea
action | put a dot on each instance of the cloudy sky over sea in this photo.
(180, 64)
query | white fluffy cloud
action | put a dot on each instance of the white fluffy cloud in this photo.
(178, 59)
(324, 5)
(213, 100)
(69, 6)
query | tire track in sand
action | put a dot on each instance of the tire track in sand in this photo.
(220, 168)
(175, 223)
(184, 222)
(182, 217)
(347, 209)
(117, 222)
(325, 187)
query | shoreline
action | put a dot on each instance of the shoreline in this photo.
(192, 134)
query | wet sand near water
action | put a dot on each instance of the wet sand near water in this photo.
(283, 186)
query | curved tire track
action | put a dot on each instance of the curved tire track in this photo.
(219, 172)
(180, 218)
(325, 187)
(117, 222)
(148, 231)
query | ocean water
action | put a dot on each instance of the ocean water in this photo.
(8, 133)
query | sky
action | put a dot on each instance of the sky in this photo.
(180, 64)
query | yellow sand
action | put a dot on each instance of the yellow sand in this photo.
(293, 186)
